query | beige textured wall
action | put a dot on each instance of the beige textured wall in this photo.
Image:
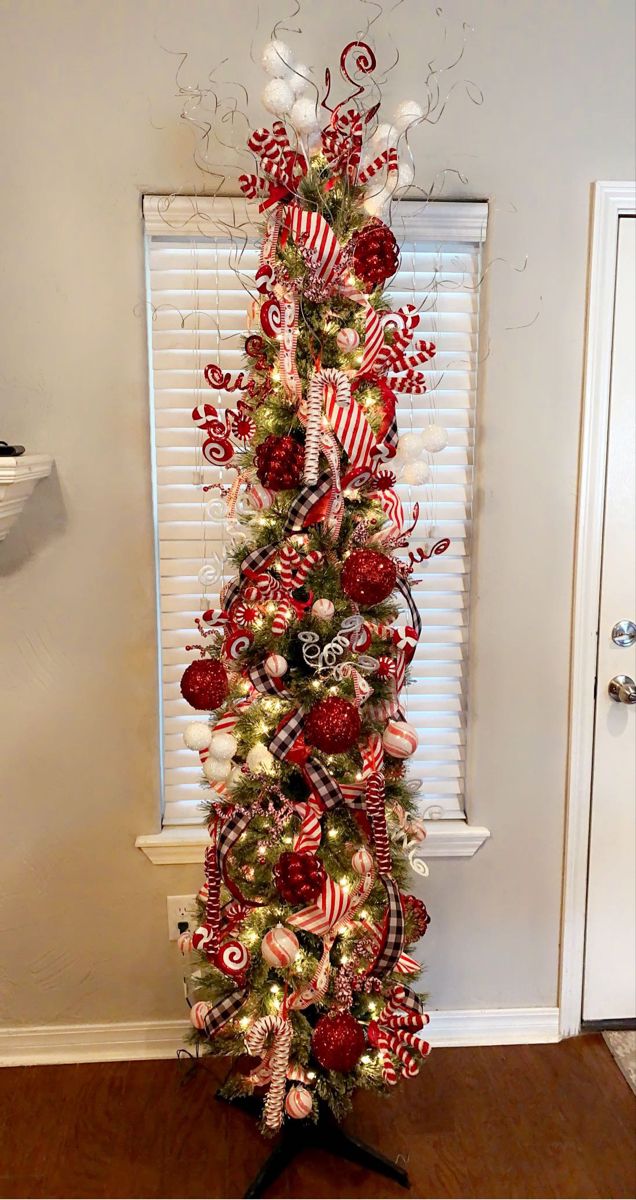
(89, 118)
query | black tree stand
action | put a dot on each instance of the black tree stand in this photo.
(325, 1134)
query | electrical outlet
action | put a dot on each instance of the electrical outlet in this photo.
(182, 911)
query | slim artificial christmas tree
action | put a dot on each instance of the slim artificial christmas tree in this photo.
(303, 974)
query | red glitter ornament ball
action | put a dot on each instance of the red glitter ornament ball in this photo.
(204, 684)
(279, 462)
(416, 915)
(368, 577)
(376, 254)
(298, 877)
(338, 1041)
(333, 725)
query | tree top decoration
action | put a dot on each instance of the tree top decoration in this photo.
(302, 971)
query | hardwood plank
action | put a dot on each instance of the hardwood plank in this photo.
(507, 1121)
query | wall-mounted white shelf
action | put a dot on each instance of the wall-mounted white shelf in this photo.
(18, 477)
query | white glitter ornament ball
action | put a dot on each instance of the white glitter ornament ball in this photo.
(322, 610)
(400, 739)
(410, 447)
(223, 745)
(277, 59)
(362, 861)
(303, 115)
(406, 174)
(299, 79)
(415, 473)
(279, 947)
(434, 438)
(259, 759)
(197, 736)
(298, 1102)
(385, 135)
(347, 340)
(216, 770)
(277, 97)
(407, 113)
(275, 665)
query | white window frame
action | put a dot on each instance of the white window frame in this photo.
(437, 223)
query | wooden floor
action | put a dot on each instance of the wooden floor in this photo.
(528, 1121)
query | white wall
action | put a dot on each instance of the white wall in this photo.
(90, 123)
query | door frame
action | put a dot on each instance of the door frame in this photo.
(611, 200)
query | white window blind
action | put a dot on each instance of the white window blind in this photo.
(198, 313)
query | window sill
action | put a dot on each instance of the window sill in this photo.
(444, 839)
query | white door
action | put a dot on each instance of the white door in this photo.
(609, 989)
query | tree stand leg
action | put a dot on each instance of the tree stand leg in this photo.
(325, 1135)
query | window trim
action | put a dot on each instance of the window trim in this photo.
(176, 215)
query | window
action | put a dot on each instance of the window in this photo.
(198, 314)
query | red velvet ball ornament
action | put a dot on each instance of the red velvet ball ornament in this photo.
(376, 255)
(416, 913)
(298, 877)
(333, 725)
(204, 684)
(338, 1041)
(368, 577)
(279, 462)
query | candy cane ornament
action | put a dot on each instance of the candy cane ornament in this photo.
(255, 1040)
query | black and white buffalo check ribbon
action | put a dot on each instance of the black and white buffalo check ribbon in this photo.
(393, 934)
(264, 682)
(403, 587)
(224, 1011)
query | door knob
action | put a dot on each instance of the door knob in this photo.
(624, 633)
(622, 689)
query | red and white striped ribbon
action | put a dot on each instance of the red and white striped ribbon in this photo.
(311, 232)
(309, 836)
(333, 903)
(347, 421)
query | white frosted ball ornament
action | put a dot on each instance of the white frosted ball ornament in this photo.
(197, 736)
(384, 136)
(415, 473)
(303, 115)
(299, 79)
(434, 438)
(406, 114)
(277, 59)
(275, 665)
(406, 174)
(223, 745)
(410, 447)
(280, 946)
(277, 97)
(235, 777)
(216, 770)
(400, 739)
(322, 610)
(259, 759)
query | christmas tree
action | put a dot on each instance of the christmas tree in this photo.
(302, 967)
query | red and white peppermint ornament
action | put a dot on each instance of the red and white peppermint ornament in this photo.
(244, 615)
(362, 861)
(237, 643)
(203, 938)
(298, 1103)
(347, 340)
(400, 739)
(275, 665)
(199, 1012)
(232, 958)
(386, 667)
(279, 947)
(260, 497)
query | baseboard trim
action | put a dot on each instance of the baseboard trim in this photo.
(35, 1045)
